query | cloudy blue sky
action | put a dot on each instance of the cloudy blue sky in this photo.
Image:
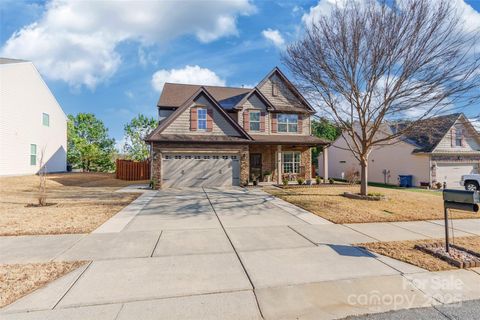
(112, 58)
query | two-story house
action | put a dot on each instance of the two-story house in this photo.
(32, 123)
(224, 136)
(438, 150)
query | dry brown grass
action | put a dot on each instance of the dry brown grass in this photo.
(77, 203)
(405, 251)
(17, 280)
(401, 205)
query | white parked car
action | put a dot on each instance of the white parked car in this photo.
(471, 182)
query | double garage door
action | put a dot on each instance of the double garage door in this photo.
(201, 170)
(451, 173)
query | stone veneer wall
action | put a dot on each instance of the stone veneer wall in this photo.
(267, 151)
(159, 148)
(269, 163)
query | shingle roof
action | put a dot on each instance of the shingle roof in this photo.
(428, 133)
(175, 94)
(258, 139)
(200, 91)
(288, 139)
(195, 138)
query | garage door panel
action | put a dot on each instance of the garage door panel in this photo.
(451, 173)
(199, 170)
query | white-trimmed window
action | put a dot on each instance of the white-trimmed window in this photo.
(33, 154)
(291, 162)
(459, 137)
(287, 122)
(254, 120)
(46, 119)
(202, 118)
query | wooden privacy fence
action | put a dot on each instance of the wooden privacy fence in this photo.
(132, 170)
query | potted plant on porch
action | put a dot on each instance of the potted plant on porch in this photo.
(267, 176)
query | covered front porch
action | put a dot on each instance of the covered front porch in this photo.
(276, 162)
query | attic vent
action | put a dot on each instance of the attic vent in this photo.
(274, 89)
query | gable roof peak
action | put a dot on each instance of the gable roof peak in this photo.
(201, 90)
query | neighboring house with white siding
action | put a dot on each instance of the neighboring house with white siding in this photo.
(440, 149)
(31, 122)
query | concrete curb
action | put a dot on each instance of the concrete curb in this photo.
(118, 222)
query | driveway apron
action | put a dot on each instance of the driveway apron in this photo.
(221, 254)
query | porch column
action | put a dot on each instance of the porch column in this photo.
(279, 164)
(325, 165)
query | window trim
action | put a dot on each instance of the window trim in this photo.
(47, 124)
(199, 128)
(294, 164)
(288, 123)
(254, 122)
(33, 154)
(459, 137)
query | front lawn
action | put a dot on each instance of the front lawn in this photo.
(405, 251)
(18, 280)
(76, 203)
(401, 205)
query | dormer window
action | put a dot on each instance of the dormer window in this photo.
(202, 119)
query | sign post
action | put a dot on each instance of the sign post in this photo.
(460, 200)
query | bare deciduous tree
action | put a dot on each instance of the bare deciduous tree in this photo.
(367, 63)
(42, 186)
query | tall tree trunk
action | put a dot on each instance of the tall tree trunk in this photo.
(364, 177)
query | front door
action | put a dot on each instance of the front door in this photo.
(255, 166)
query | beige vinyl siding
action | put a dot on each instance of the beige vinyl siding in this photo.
(471, 142)
(254, 103)
(284, 97)
(24, 98)
(397, 158)
(221, 126)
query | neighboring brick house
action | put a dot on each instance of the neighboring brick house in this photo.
(223, 136)
(440, 149)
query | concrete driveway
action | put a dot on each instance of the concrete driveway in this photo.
(224, 254)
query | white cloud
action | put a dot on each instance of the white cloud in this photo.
(76, 41)
(188, 75)
(323, 8)
(274, 36)
(468, 15)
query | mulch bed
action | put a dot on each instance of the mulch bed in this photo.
(357, 196)
(296, 186)
(457, 256)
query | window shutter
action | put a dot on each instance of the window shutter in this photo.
(193, 119)
(300, 123)
(274, 122)
(209, 120)
(464, 142)
(453, 137)
(246, 120)
(262, 122)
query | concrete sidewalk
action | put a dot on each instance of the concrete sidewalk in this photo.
(230, 254)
